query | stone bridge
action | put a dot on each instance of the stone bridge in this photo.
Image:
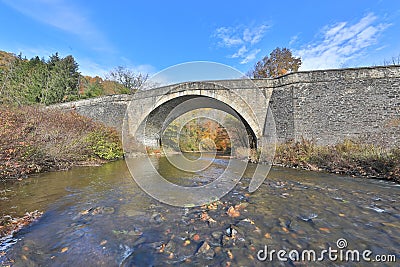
(326, 106)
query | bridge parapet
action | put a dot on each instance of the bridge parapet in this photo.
(326, 105)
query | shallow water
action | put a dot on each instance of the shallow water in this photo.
(98, 216)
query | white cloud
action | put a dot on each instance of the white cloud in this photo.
(293, 40)
(242, 39)
(91, 68)
(250, 56)
(341, 43)
(381, 47)
(228, 37)
(63, 15)
(254, 35)
(144, 69)
(240, 53)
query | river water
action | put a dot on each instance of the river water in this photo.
(98, 216)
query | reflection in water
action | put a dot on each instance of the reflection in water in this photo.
(186, 177)
(97, 216)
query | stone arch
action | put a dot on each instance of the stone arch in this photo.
(147, 116)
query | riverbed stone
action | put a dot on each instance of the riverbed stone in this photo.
(205, 251)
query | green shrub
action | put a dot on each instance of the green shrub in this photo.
(104, 145)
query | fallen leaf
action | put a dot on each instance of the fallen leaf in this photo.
(211, 220)
(230, 255)
(241, 206)
(232, 212)
(196, 237)
(84, 212)
(342, 215)
(204, 216)
(267, 235)
(103, 242)
(64, 249)
(285, 229)
(324, 229)
(212, 206)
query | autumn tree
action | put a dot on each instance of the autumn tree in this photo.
(279, 62)
(91, 87)
(199, 134)
(128, 78)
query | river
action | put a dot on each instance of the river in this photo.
(98, 216)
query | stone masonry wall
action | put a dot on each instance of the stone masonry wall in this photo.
(109, 110)
(327, 106)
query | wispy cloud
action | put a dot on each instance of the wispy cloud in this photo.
(240, 53)
(241, 40)
(90, 67)
(63, 15)
(250, 56)
(293, 40)
(229, 36)
(340, 43)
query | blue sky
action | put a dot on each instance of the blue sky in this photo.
(149, 36)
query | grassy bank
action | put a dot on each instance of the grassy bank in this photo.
(34, 139)
(349, 157)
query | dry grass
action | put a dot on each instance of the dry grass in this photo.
(34, 139)
(349, 157)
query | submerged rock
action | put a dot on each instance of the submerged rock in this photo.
(157, 218)
(205, 251)
(142, 256)
(230, 231)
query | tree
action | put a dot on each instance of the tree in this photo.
(127, 78)
(62, 81)
(279, 62)
(90, 87)
(393, 62)
(39, 81)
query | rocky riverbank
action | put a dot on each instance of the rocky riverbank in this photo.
(10, 225)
